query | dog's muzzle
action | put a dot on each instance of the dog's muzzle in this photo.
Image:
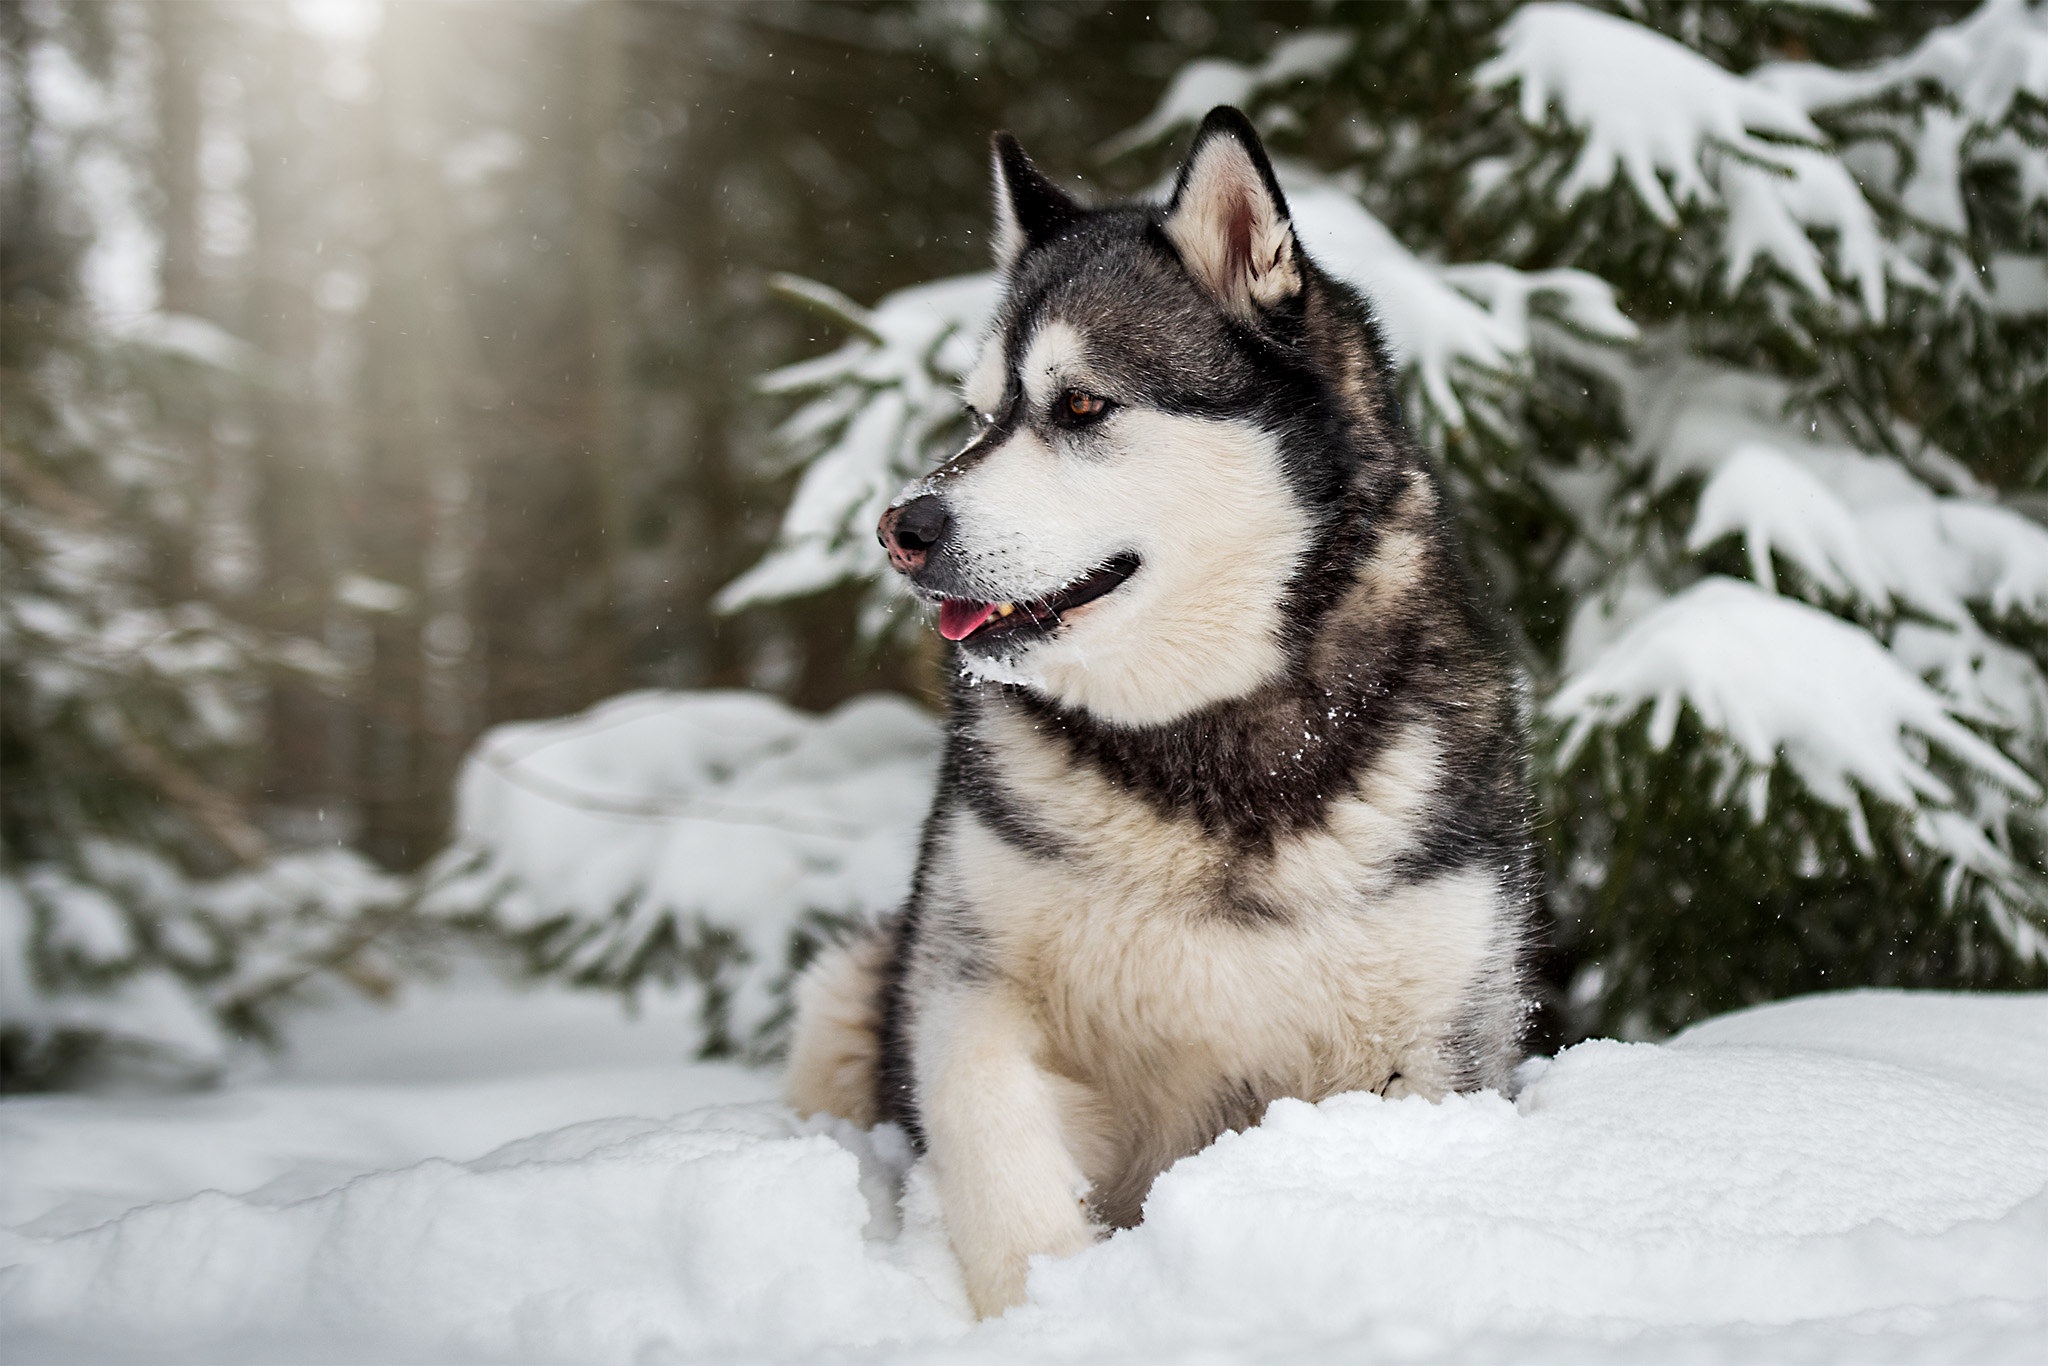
(912, 531)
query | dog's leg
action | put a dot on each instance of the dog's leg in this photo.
(994, 1124)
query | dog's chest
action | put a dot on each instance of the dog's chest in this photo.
(1145, 934)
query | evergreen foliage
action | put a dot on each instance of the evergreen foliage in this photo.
(144, 916)
(1759, 536)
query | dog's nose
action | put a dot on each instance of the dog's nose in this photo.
(911, 532)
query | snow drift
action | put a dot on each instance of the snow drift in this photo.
(1852, 1176)
(688, 834)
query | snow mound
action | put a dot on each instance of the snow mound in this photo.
(671, 823)
(723, 1230)
(1733, 1176)
(1841, 1178)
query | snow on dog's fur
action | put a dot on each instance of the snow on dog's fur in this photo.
(1233, 805)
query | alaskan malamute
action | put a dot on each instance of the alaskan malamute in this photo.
(1234, 802)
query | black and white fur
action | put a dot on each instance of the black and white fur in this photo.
(1253, 824)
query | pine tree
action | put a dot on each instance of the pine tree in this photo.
(144, 915)
(1730, 324)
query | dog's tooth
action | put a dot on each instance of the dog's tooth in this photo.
(1003, 609)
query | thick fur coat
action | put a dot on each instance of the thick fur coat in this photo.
(1233, 805)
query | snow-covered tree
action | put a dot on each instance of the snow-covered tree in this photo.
(143, 912)
(1731, 324)
(701, 841)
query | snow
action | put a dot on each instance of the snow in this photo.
(287, 917)
(367, 594)
(660, 820)
(1774, 677)
(83, 127)
(1201, 85)
(2019, 284)
(1980, 66)
(1770, 212)
(1946, 552)
(1852, 1177)
(1856, 690)
(1649, 107)
(1855, 523)
(461, 1068)
(1856, 8)
(1934, 193)
(191, 338)
(1777, 505)
(1652, 109)
(1983, 63)
(1437, 319)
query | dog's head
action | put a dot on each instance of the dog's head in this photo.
(1153, 465)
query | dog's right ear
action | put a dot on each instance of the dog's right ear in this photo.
(1229, 221)
(1030, 210)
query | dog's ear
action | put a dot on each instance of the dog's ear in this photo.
(1228, 219)
(1030, 210)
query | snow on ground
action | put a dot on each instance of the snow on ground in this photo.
(485, 1177)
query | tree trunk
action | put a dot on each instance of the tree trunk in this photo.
(179, 70)
(295, 498)
(417, 530)
(608, 416)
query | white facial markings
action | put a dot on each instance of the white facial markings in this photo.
(1205, 507)
(984, 385)
(1056, 358)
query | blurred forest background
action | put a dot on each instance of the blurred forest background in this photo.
(501, 270)
(402, 358)
(378, 374)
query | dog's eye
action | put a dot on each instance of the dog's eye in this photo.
(1077, 405)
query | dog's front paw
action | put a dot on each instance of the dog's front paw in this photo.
(1398, 1087)
(995, 1275)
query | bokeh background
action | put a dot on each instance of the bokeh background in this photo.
(376, 375)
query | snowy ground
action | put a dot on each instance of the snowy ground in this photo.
(479, 1176)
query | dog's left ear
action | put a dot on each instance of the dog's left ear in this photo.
(1228, 219)
(1030, 209)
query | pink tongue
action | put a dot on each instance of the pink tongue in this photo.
(960, 617)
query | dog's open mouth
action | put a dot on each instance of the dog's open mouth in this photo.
(966, 619)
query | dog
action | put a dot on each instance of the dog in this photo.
(1234, 802)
